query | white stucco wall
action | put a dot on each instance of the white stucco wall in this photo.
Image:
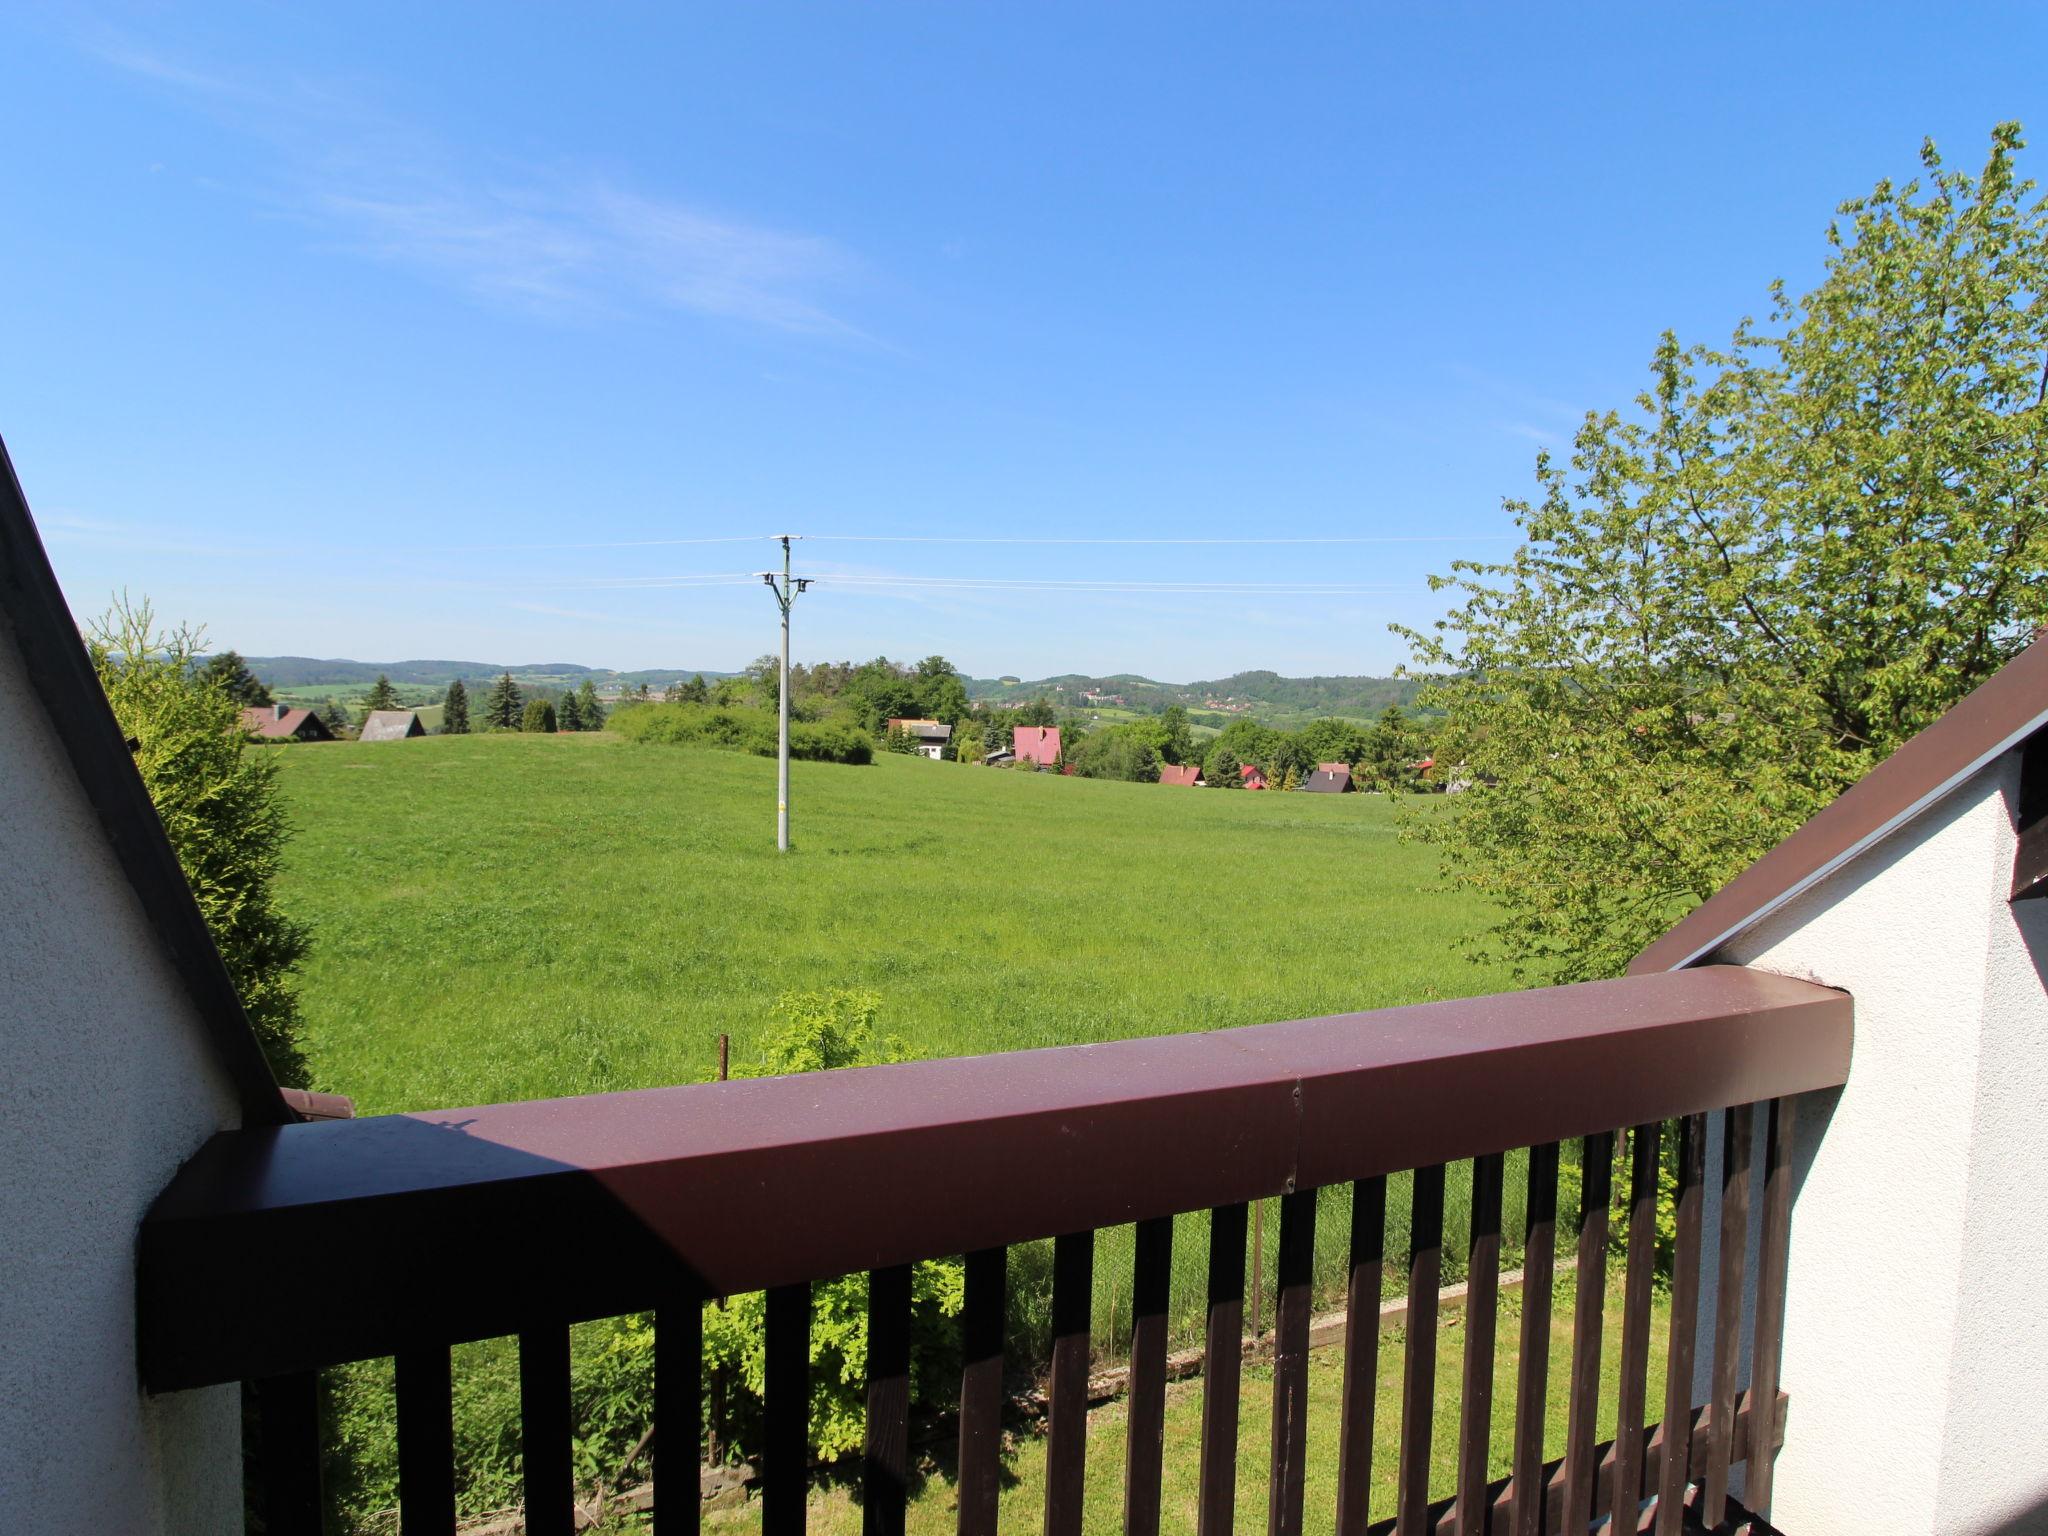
(106, 1086)
(1916, 1329)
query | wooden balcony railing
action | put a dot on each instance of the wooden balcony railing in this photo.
(772, 1184)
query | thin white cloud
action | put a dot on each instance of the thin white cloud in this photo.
(542, 239)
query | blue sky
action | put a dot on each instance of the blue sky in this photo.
(329, 331)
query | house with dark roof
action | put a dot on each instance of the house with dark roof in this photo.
(928, 736)
(1039, 744)
(391, 725)
(1189, 774)
(1329, 779)
(276, 722)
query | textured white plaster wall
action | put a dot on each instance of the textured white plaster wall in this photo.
(1916, 1355)
(106, 1086)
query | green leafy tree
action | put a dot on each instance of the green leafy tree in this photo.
(381, 695)
(695, 691)
(335, 718)
(896, 739)
(590, 707)
(1116, 752)
(504, 705)
(231, 675)
(455, 710)
(1389, 753)
(1221, 769)
(539, 716)
(968, 744)
(822, 1032)
(1796, 551)
(1038, 712)
(1176, 739)
(220, 803)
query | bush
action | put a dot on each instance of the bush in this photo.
(539, 716)
(220, 805)
(738, 729)
(612, 1361)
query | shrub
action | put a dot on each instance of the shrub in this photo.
(738, 729)
(220, 805)
(539, 716)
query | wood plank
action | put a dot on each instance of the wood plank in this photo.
(288, 1426)
(679, 1409)
(426, 1440)
(1532, 1372)
(981, 1391)
(1737, 1124)
(1596, 1192)
(1630, 1408)
(1444, 1516)
(1066, 1436)
(1482, 1296)
(1685, 1305)
(1222, 1369)
(545, 1451)
(1293, 1305)
(885, 1452)
(1418, 1381)
(786, 1411)
(1361, 1354)
(1145, 1414)
(1773, 1250)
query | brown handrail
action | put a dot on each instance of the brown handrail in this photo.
(406, 1231)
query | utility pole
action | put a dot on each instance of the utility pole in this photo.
(785, 594)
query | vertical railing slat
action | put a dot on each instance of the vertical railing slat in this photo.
(426, 1440)
(547, 1465)
(288, 1422)
(1771, 1255)
(679, 1412)
(786, 1411)
(1596, 1191)
(1685, 1303)
(1737, 1125)
(1292, 1305)
(1418, 1382)
(981, 1391)
(1361, 1355)
(1532, 1371)
(1222, 1371)
(1066, 1444)
(1630, 1404)
(885, 1452)
(1482, 1296)
(1145, 1445)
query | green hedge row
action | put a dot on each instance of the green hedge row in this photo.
(741, 730)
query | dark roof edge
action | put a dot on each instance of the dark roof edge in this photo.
(33, 609)
(2006, 709)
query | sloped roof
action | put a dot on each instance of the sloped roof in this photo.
(925, 730)
(1328, 779)
(272, 726)
(2010, 706)
(391, 725)
(32, 608)
(1182, 773)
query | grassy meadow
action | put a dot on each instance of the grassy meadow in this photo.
(508, 917)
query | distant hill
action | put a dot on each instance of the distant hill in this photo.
(311, 672)
(1266, 695)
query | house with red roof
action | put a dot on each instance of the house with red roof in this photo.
(1251, 776)
(1189, 774)
(278, 723)
(1038, 744)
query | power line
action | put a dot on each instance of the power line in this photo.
(922, 538)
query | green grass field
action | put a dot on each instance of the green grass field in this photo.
(507, 917)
